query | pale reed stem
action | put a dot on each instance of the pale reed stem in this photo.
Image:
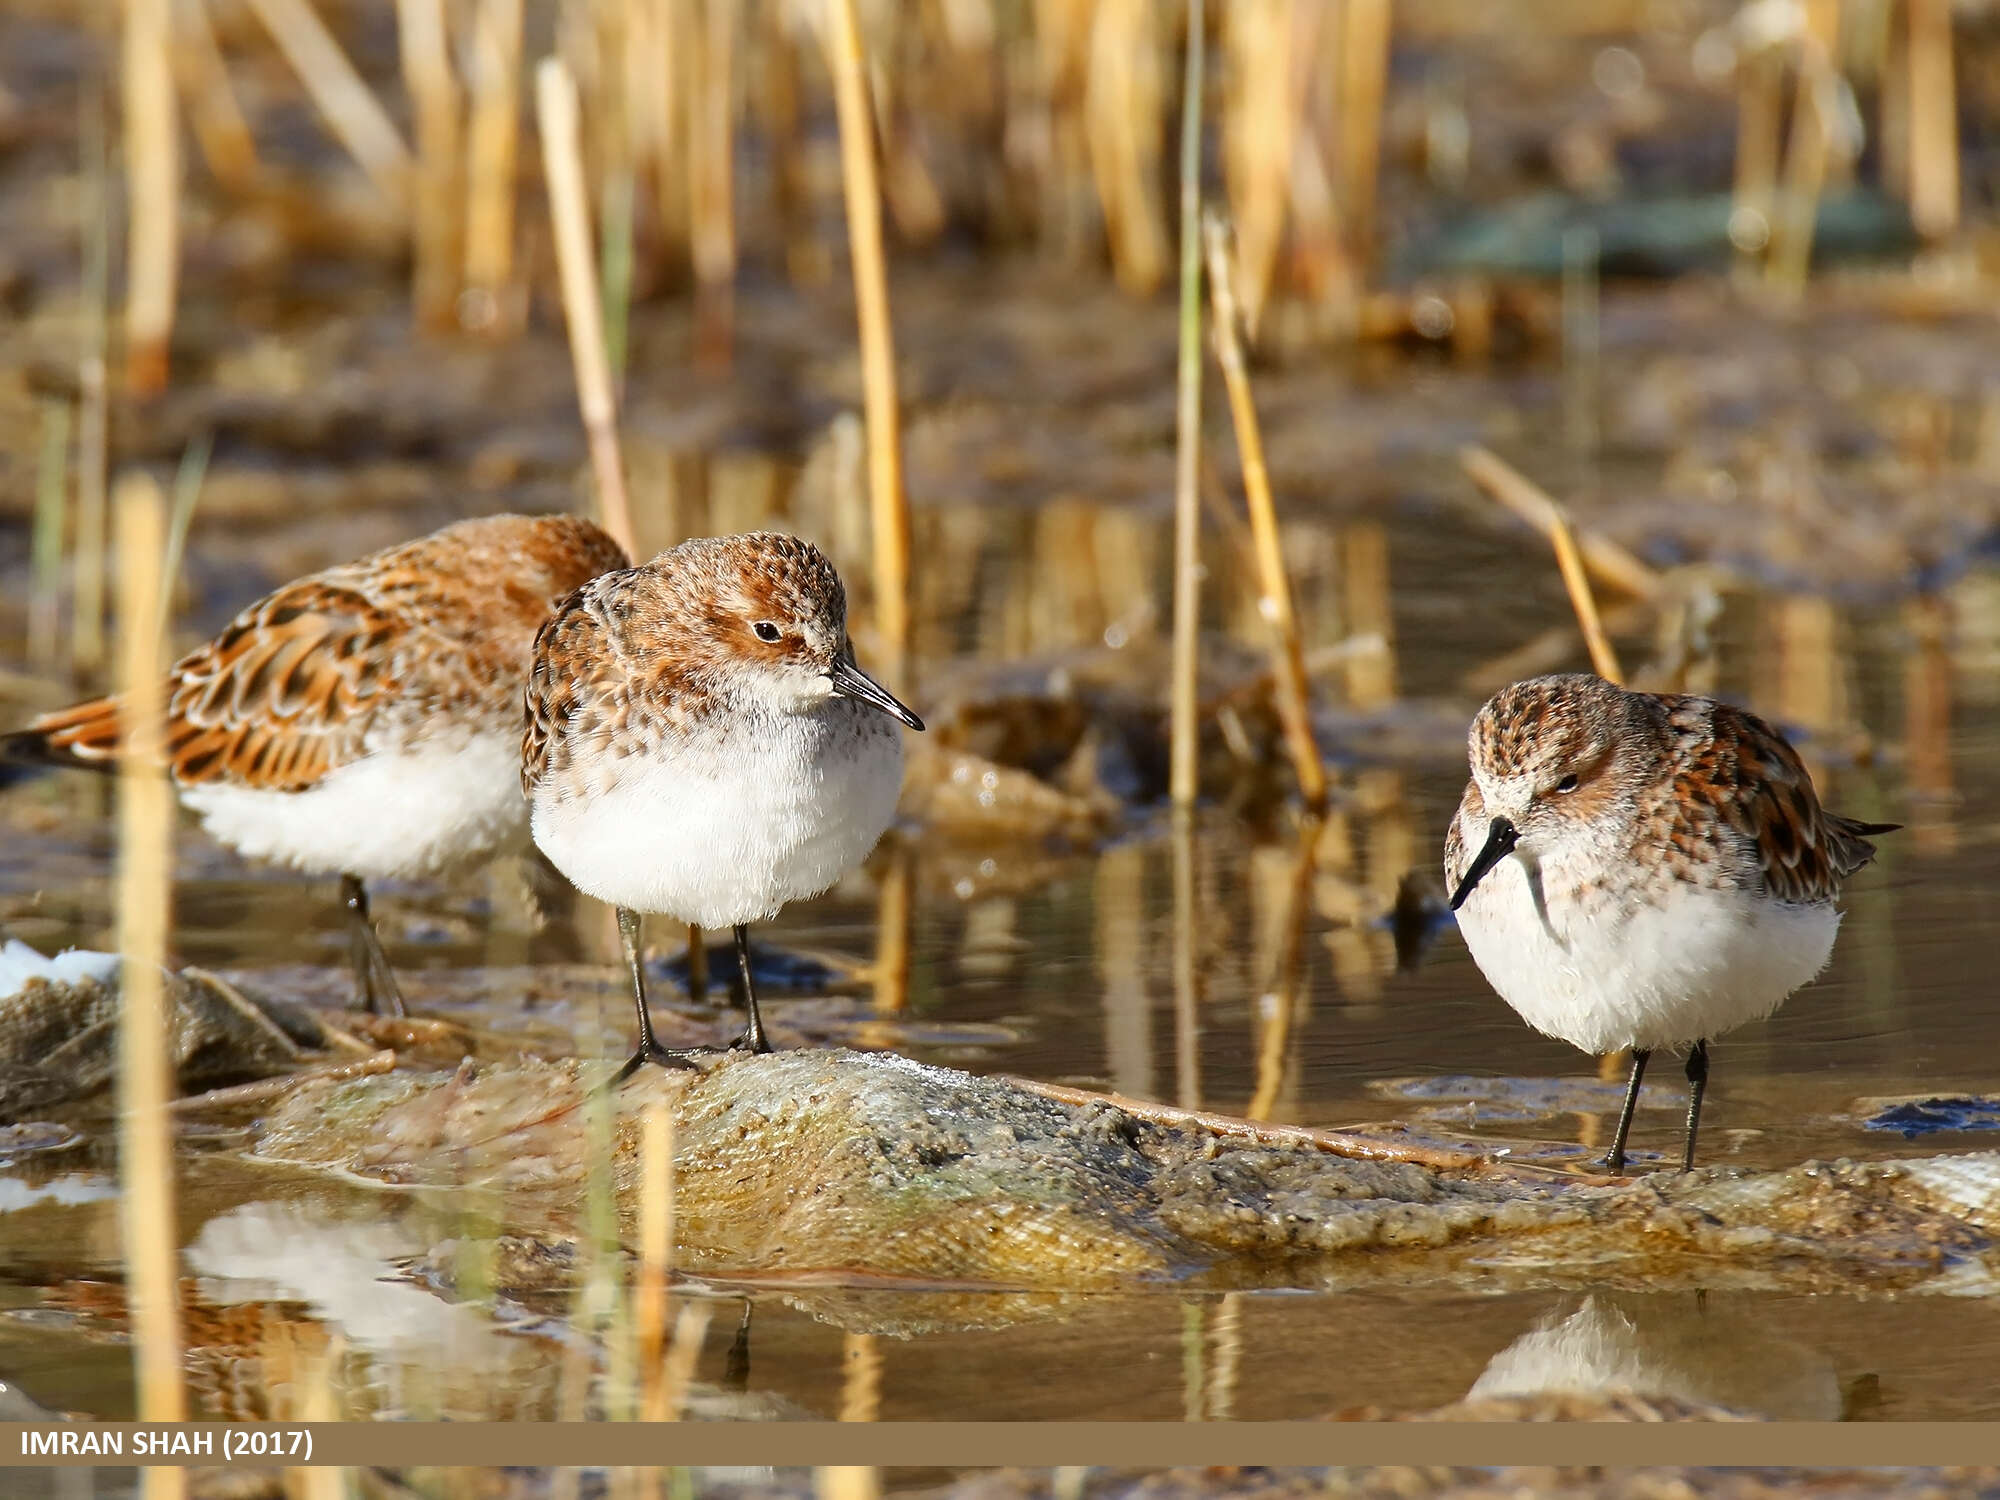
(145, 1073)
(153, 172)
(889, 505)
(352, 111)
(562, 160)
(1275, 601)
(1185, 741)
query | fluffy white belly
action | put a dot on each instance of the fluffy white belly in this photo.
(720, 836)
(393, 815)
(1698, 964)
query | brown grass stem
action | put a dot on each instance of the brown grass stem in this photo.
(656, 1250)
(894, 914)
(1274, 587)
(493, 145)
(1122, 100)
(45, 550)
(846, 1482)
(1760, 123)
(1280, 1000)
(93, 420)
(153, 181)
(434, 95)
(562, 161)
(352, 112)
(888, 504)
(1185, 734)
(860, 1378)
(187, 495)
(213, 111)
(1603, 660)
(1806, 162)
(1364, 75)
(1186, 962)
(1611, 563)
(145, 1072)
(1934, 188)
(711, 169)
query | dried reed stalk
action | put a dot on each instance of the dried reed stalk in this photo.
(1603, 660)
(427, 74)
(893, 916)
(846, 1482)
(683, 1351)
(1274, 601)
(1187, 964)
(1611, 563)
(217, 119)
(1260, 135)
(711, 178)
(1760, 123)
(656, 1252)
(1121, 114)
(1364, 74)
(145, 1072)
(1933, 120)
(860, 1378)
(93, 422)
(889, 509)
(153, 177)
(187, 495)
(493, 145)
(562, 161)
(1282, 997)
(45, 551)
(352, 111)
(1185, 733)
(1807, 153)
(1534, 505)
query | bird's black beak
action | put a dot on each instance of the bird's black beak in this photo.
(1501, 838)
(849, 681)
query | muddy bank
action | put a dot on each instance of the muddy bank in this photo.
(844, 1166)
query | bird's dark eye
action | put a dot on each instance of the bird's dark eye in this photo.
(766, 631)
(1567, 784)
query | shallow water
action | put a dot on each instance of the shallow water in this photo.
(1040, 454)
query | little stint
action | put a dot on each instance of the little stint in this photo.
(363, 720)
(1635, 870)
(700, 743)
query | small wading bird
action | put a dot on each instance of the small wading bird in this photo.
(701, 744)
(1635, 871)
(364, 720)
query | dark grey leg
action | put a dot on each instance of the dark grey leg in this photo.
(1615, 1162)
(372, 974)
(650, 1049)
(753, 1038)
(1697, 1072)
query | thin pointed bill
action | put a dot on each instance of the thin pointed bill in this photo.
(849, 681)
(1501, 838)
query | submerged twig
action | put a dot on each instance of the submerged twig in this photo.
(265, 1089)
(1333, 1142)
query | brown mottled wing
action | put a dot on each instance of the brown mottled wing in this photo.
(284, 695)
(563, 690)
(1755, 783)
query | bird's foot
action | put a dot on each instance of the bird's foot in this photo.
(666, 1057)
(752, 1041)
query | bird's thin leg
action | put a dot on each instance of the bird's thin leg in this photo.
(1615, 1162)
(736, 1367)
(1697, 1072)
(372, 974)
(753, 1038)
(650, 1049)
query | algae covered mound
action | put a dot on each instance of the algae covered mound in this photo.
(839, 1164)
